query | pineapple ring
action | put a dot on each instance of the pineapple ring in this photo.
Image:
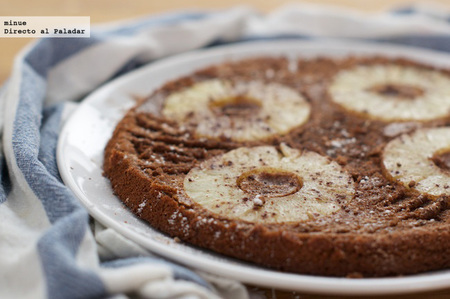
(393, 92)
(291, 186)
(240, 112)
(409, 159)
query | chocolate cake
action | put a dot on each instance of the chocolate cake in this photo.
(336, 167)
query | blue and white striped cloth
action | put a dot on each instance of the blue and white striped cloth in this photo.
(48, 245)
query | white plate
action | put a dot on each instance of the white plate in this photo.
(80, 155)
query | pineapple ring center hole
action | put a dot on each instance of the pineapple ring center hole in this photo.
(238, 106)
(402, 91)
(269, 182)
(442, 160)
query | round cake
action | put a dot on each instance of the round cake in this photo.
(336, 167)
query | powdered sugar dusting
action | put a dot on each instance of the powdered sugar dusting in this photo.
(257, 201)
(141, 206)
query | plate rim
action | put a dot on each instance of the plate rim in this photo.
(286, 281)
